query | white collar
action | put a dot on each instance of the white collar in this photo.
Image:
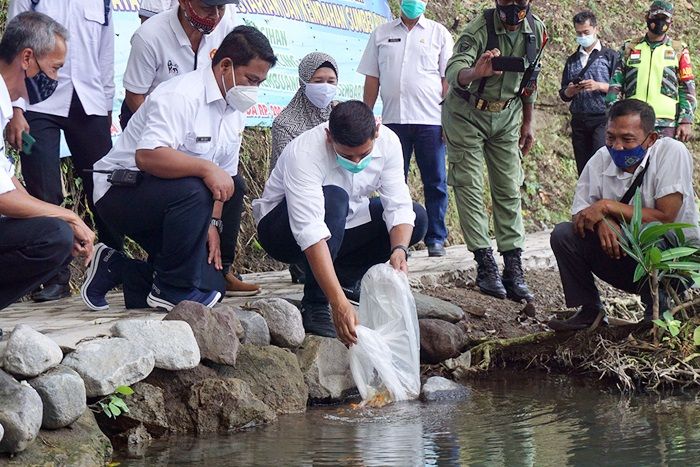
(212, 93)
(598, 46)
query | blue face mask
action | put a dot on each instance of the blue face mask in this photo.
(586, 41)
(351, 166)
(626, 158)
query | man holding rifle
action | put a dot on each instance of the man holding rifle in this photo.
(487, 116)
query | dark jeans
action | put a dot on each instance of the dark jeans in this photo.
(354, 250)
(88, 138)
(426, 142)
(587, 136)
(170, 220)
(31, 251)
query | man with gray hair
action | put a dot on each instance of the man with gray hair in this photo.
(36, 238)
(80, 107)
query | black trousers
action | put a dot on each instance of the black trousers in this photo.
(170, 220)
(587, 136)
(31, 251)
(354, 250)
(88, 138)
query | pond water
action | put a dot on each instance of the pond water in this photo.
(515, 419)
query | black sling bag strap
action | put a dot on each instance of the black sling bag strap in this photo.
(592, 58)
(627, 197)
(492, 43)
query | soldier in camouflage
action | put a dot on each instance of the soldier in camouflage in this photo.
(657, 70)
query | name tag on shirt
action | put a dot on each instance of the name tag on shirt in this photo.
(203, 139)
(397, 39)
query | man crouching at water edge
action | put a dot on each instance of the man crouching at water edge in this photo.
(634, 156)
(316, 209)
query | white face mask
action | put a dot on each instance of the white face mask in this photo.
(320, 94)
(240, 98)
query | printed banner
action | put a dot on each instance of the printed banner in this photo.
(295, 28)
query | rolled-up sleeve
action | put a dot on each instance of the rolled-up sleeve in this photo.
(303, 190)
(676, 174)
(465, 55)
(589, 186)
(393, 191)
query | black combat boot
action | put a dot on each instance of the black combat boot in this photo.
(488, 278)
(513, 278)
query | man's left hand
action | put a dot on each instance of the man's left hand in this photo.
(589, 217)
(527, 138)
(684, 131)
(214, 244)
(399, 261)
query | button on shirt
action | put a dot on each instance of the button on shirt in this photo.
(7, 169)
(309, 163)
(89, 66)
(188, 113)
(160, 50)
(148, 8)
(410, 66)
(670, 171)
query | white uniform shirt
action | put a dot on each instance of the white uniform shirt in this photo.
(148, 8)
(7, 169)
(670, 171)
(160, 50)
(410, 66)
(309, 163)
(89, 66)
(187, 113)
(583, 56)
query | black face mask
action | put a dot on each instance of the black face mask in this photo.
(40, 86)
(658, 26)
(512, 15)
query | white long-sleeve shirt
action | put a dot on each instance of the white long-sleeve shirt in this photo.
(89, 66)
(309, 163)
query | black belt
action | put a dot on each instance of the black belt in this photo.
(482, 104)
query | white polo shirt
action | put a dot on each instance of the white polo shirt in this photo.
(148, 8)
(160, 50)
(410, 66)
(89, 66)
(670, 171)
(188, 113)
(7, 168)
(309, 163)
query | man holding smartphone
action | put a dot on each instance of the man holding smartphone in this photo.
(584, 83)
(487, 117)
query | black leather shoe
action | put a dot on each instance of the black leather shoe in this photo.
(584, 318)
(488, 279)
(513, 277)
(317, 319)
(436, 249)
(51, 292)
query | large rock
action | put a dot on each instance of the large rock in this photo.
(214, 329)
(105, 364)
(62, 392)
(81, 445)
(326, 367)
(284, 321)
(20, 414)
(273, 375)
(438, 388)
(172, 342)
(147, 407)
(30, 353)
(439, 340)
(255, 329)
(434, 308)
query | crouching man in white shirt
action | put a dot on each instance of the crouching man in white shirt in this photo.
(185, 141)
(37, 239)
(588, 245)
(316, 208)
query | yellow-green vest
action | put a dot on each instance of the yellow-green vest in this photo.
(652, 76)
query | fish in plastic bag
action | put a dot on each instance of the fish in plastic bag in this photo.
(385, 361)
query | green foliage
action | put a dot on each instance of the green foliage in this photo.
(696, 337)
(669, 324)
(113, 405)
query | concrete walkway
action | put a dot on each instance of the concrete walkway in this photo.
(68, 321)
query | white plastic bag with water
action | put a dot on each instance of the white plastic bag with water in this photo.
(385, 361)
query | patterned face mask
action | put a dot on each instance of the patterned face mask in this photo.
(626, 158)
(40, 86)
(200, 23)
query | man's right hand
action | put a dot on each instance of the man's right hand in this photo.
(572, 89)
(609, 241)
(83, 238)
(345, 320)
(15, 127)
(483, 67)
(219, 183)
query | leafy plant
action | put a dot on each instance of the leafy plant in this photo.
(113, 405)
(670, 325)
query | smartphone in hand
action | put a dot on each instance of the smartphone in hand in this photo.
(27, 142)
(512, 64)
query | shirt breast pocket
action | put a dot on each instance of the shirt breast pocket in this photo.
(95, 11)
(429, 59)
(198, 145)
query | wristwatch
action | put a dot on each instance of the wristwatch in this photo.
(400, 247)
(218, 223)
